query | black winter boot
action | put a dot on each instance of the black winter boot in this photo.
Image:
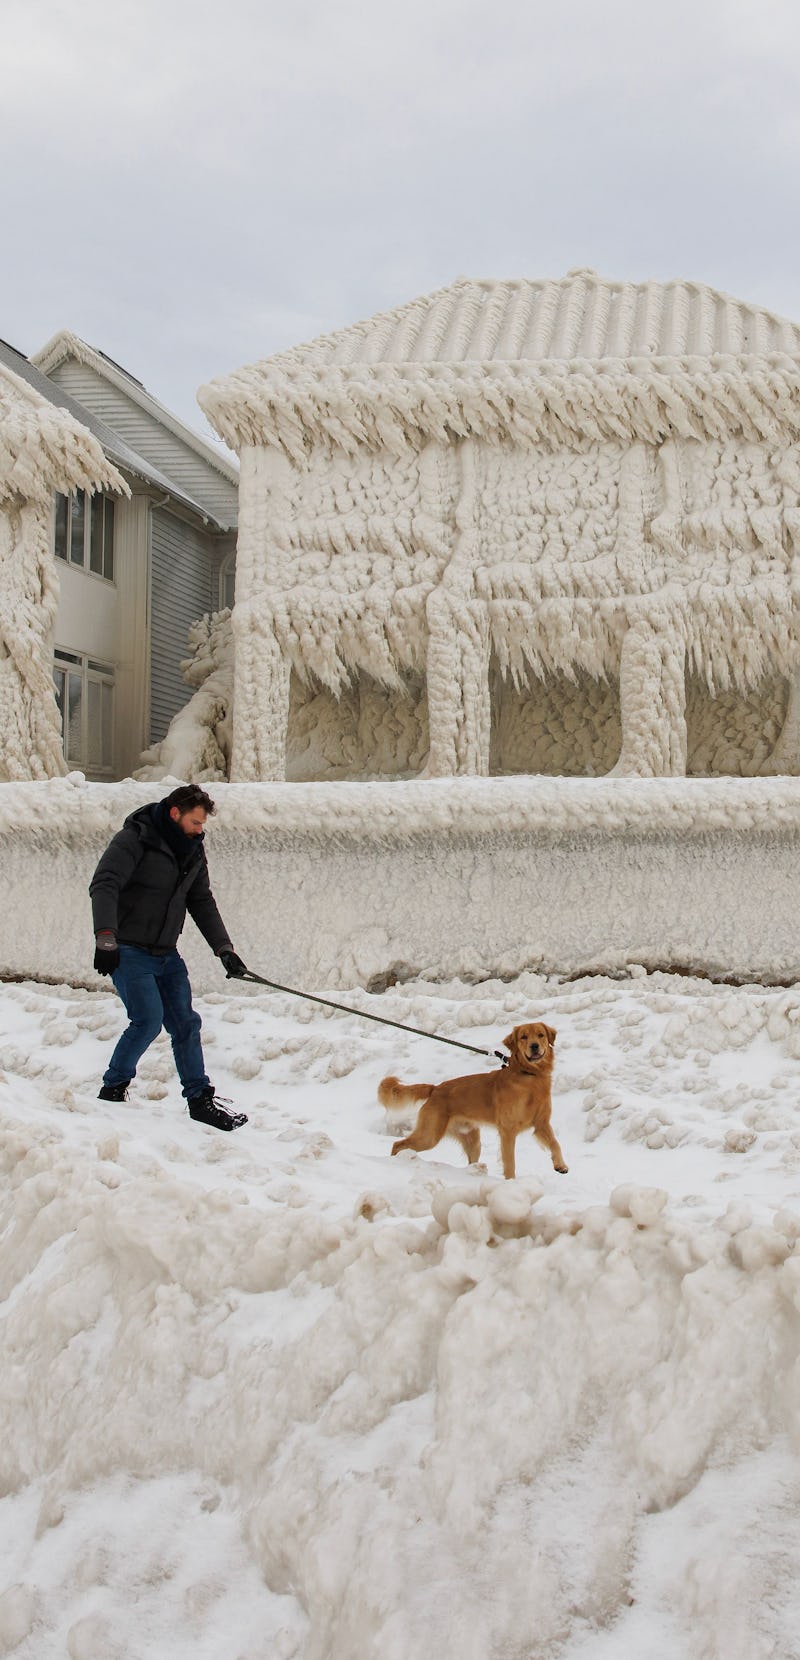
(207, 1108)
(113, 1092)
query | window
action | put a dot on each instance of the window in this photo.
(85, 532)
(85, 698)
(227, 582)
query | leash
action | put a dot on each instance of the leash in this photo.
(381, 1020)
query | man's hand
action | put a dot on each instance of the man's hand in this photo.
(106, 955)
(233, 965)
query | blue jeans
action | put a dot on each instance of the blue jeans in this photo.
(156, 992)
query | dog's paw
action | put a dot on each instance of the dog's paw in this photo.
(562, 1169)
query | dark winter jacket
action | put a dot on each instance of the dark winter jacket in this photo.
(142, 893)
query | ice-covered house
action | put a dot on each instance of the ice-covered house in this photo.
(42, 450)
(520, 527)
(131, 573)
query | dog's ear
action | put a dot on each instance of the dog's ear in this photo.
(551, 1035)
(510, 1042)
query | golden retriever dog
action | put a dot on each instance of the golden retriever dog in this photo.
(515, 1098)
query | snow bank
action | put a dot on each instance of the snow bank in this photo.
(447, 1434)
(278, 1396)
(350, 884)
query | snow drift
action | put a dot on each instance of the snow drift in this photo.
(390, 1405)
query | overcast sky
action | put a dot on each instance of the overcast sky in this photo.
(193, 186)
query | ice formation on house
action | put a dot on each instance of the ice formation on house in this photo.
(42, 449)
(198, 742)
(520, 527)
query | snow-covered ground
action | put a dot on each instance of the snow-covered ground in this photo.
(276, 1395)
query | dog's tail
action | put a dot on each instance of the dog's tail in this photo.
(393, 1095)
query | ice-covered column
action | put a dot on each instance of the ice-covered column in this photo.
(459, 711)
(30, 735)
(261, 671)
(652, 697)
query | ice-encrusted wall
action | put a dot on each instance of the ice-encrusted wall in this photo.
(736, 732)
(547, 520)
(560, 727)
(490, 608)
(368, 732)
(557, 727)
(573, 728)
(632, 571)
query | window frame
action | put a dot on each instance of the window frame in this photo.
(89, 671)
(95, 507)
(225, 574)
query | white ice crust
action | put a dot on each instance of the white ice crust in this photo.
(197, 746)
(42, 449)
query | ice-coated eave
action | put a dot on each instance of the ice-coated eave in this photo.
(43, 448)
(394, 406)
(526, 359)
(114, 446)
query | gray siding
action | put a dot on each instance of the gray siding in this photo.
(163, 449)
(183, 586)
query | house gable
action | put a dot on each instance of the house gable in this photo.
(208, 478)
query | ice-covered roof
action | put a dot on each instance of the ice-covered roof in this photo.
(581, 315)
(44, 448)
(65, 344)
(528, 360)
(115, 447)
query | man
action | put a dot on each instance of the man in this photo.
(152, 872)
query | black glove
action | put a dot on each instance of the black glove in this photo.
(233, 965)
(106, 955)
